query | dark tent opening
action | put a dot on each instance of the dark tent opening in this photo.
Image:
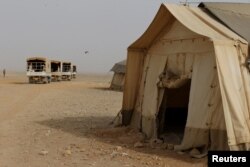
(173, 113)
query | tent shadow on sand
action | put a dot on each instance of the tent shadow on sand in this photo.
(100, 129)
(106, 89)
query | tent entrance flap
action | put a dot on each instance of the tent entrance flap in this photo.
(173, 113)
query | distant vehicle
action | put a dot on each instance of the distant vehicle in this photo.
(56, 70)
(74, 71)
(38, 70)
(66, 71)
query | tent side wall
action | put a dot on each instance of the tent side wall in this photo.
(117, 82)
(234, 82)
(133, 74)
(213, 115)
(136, 66)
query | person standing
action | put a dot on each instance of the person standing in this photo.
(4, 72)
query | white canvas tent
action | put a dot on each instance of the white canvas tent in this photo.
(199, 65)
(235, 16)
(118, 79)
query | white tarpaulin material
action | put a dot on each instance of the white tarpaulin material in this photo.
(234, 94)
(186, 41)
(236, 16)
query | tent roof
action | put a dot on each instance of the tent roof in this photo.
(236, 16)
(119, 67)
(194, 18)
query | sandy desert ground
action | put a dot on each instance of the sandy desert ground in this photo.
(68, 124)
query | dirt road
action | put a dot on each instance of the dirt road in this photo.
(67, 124)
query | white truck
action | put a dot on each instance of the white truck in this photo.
(56, 70)
(38, 70)
(66, 71)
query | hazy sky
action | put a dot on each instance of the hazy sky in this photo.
(64, 29)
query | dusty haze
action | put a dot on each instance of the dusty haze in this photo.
(65, 29)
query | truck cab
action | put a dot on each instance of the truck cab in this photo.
(38, 70)
(66, 71)
(56, 70)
